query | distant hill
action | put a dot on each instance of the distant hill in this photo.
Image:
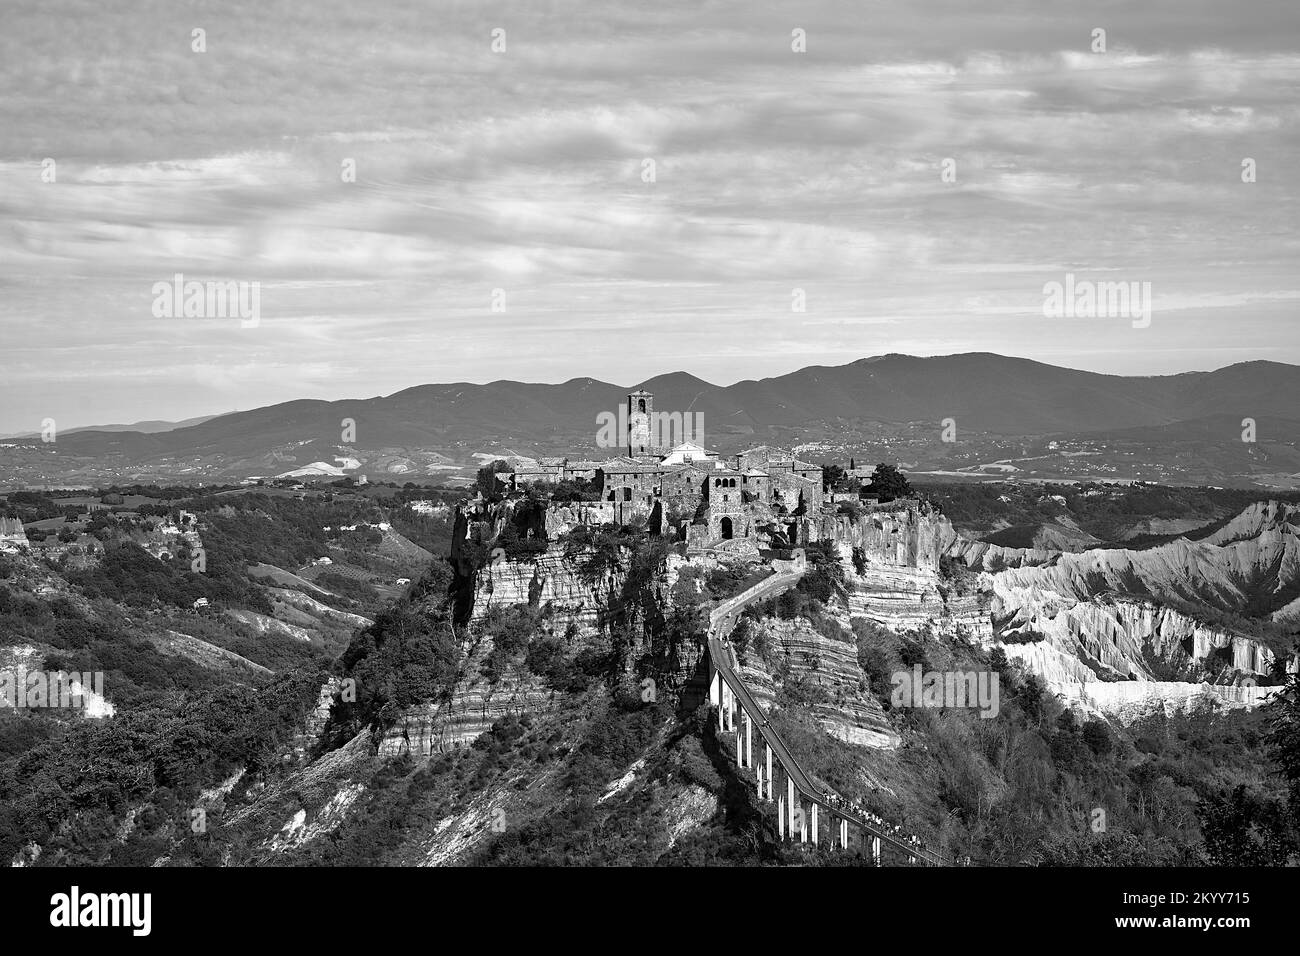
(982, 391)
(145, 428)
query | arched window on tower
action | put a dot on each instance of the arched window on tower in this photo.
(640, 405)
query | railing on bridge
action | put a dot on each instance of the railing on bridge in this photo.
(737, 709)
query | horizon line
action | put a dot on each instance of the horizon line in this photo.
(641, 383)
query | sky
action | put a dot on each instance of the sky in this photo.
(919, 169)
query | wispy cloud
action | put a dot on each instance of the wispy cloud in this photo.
(522, 171)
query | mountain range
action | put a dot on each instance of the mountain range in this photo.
(147, 427)
(983, 392)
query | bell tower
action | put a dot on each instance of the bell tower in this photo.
(640, 416)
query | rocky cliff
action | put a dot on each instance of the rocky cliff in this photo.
(1112, 638)
(475, 704)
(891, 569)
(821, 672)
(1129, 701)
(1253, 575)
(550, 578)
(1083, 621)
(573, 606)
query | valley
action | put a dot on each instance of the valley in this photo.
(412, 676)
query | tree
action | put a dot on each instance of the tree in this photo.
(487, 480)
(1246, 829)
(888, 483)
(832, 475)
(1283, 738)
(1097, 736)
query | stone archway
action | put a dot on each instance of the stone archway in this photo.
(726, 529)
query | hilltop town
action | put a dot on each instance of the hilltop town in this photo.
(761, 497)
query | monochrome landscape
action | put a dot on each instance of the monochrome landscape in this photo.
(516, 435)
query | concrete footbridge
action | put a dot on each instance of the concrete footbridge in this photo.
(801, 806)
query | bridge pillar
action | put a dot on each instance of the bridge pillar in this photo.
(844, 833)
(715, 692)
(780, 816)
(789, 801)
(803, 823)
(768, 749)
(875, 850)
(814, 822)
(740, 749)
(749, 741)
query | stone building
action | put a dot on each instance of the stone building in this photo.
(580, 469)
(641, 438)
(794, 493)
(12, 535)
(688, 490)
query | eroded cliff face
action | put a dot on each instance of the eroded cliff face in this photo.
(911, 599)
(1121, 639)
(309, 802)
(891, 570)
(553, 579)
(1129, 701)
(574, 607)
(1083, 621)
(824, 673)
(475, 704)
(1074, 618)
(902, 537)
(1083, 618)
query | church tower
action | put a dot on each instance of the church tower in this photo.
(640, 417)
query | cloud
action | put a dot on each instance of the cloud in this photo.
(524, 171)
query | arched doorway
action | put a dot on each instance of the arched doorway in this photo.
(726, 529)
